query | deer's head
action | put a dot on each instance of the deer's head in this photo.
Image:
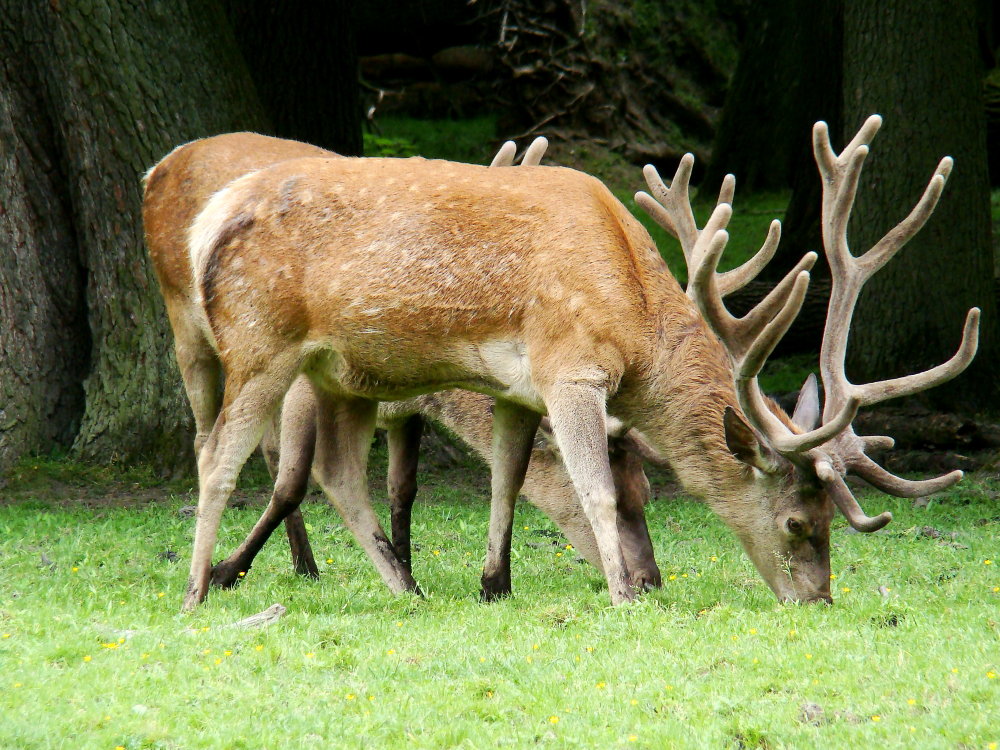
(794, 468)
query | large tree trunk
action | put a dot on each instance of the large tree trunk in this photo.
(91, 95)
(303, 61)
(786, 79)
(916, 62)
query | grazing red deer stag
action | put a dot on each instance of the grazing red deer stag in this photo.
(818, 457)
(176, 189)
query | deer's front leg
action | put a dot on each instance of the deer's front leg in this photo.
(513, 438)
(577, 413)
(404, 452)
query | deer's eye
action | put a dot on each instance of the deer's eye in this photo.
(795, 526)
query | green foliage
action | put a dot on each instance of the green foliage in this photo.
(379, 145)
(471, 140)
(89, 629)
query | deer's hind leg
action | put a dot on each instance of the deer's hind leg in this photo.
(293, 459)
(513, 439)
(344, 429)
(247, 406)
(404, 453)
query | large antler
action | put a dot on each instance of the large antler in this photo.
(840, 175)
(832, 449)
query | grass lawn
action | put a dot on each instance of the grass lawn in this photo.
(95, 654)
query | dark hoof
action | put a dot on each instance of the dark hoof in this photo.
(647, 581)
(487, 596)
(494, 588)
(307, 570)
(226, 576)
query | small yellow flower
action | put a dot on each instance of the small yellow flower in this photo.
(241, 574)
(684, 575)
(391, 651)
(632, 738)
(18, 684)
(528, 659)
(992, 746)
(876, 717)
(756, 660)
(846, 589)
(160, 595)
(911, 702)
(144, 656)
(482, 658)
(569, 546)
(669, 687)
(987, 562)
(218, 661)
(258, 647)
(991, 675)
(996, 589)
(399, 624)
(590, 649)
(534, 646)
(634, 702)
(753, 631)
(792, 633)
(207, 651)
(809, 656)
(437, 552)
(310, 655)
(600, 685)
(833, 576)
(6, 635)
(227, 653)
(553, 720)
(205, 629)
(86, 658)
(954, 670)
(671, 577)
(713, 558)
(525, 528)
(735, 637)
(74, 569)
(350, 696)
(329, 561)
(371, 697)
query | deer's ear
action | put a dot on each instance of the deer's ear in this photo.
(744, 444)
(806, 414)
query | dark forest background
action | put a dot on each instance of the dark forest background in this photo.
(94, 92)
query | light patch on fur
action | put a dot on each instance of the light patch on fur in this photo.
(507, 362)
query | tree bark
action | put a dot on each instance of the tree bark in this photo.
(303, 61)
(91, 95)
(786, 79)
(917, 63)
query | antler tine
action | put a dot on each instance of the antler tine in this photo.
(852, 511)
(533, 156)
(889, 483)
(893, 241)
(739, 277)
(671, 206)
(883, 390)
(505, 156)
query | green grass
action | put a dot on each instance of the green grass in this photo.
(94, 653)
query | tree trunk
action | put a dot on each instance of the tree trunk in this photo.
(303, 61)
(786, 79)
(91, 95)
(917, 63)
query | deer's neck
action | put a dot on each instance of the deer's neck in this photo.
(678, 404)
